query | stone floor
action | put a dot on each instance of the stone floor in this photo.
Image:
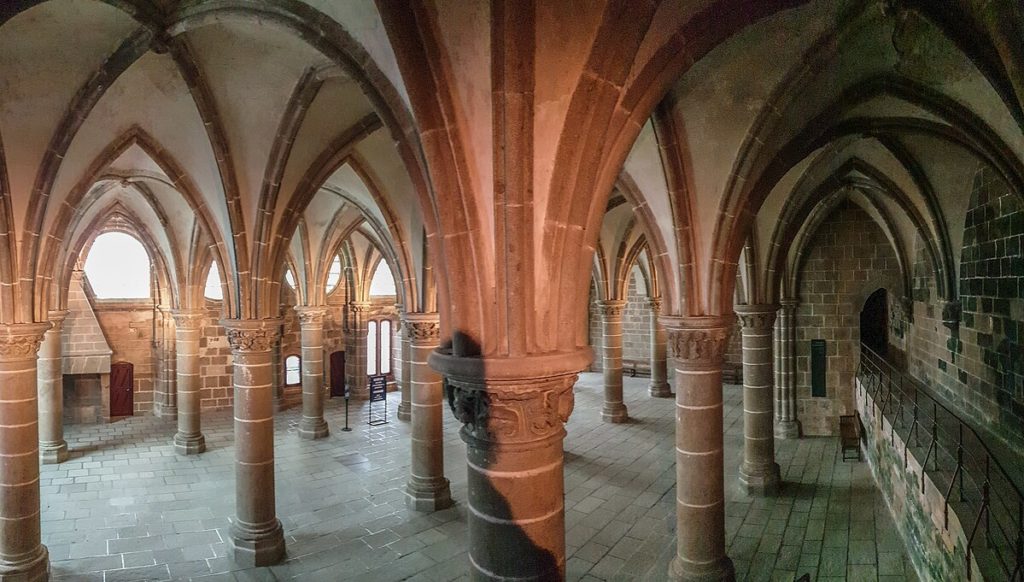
(126, 507)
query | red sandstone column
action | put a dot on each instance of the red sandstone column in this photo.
(787, 426)
(355, 350)
(759, 472)
(611, 320)
(52, 446)
(405, 406)
(698, 346)
(189, 439)
(167, 401)
(428, 488)
(312, 425)
(659, 387)
(256, 538)
(22, 556)
(514, 412)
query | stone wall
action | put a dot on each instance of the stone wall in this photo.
(846, 260)
(215, 361)
(128, 327)
(636, 331)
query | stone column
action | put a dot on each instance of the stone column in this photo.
(659, 387)
(50, 381)
(786, 424)
(189, 439)
(514, 411)
(428, 488)
(22, 555)
(611, 363)
(256, 537)
(312, 425)
(355, 350)
(405, 406)
(759, 472)
(165, 401)
(698, 347)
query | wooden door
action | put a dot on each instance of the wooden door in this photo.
(337, 374)
(122, 402)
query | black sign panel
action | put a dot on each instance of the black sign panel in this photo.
(819, 357)
(378, 387)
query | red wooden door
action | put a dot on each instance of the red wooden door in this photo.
(121, 394)
(337, 374)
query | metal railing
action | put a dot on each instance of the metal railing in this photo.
(985, 497)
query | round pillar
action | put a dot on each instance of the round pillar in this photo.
(614, 410)
(23, 557)
(355, 350)
(312, 425)
(405, 406)
(698, 346)
(256, 537)
(189, 439)
(787, 426)
(759, 472)
(52, 446)
(659, 387)
(428, 489)
(514, 411)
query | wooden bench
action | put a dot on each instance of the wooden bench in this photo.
(849, 434)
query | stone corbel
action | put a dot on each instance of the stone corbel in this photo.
(951, 313)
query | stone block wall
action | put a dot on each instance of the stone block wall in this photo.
(128, 327)
(215, 361)
(847, 259)
(636, 331)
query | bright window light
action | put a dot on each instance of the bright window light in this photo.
(382, 283)
(289, 278)
(118, 267)
(334, 274)
(213, 288)
(292, 372)
(371, 349)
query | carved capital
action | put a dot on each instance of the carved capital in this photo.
(789, 303)
(612, 307)
(699, 343)
(655, 304)
(359, 306)
(188, 319)
(503, 413)
(310, 316)
(20, 341)
(756, 316)
(57, 318)
(951, 311)
(252, 335)
(424, 328)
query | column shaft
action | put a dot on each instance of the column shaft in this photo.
(189, 439)
(22, 555)
(52, 446)
(659, 387)
(614, 410)
(355, 350)
(759, 473)
(405, 406)
(311, 321)
(698, 346)
(428, 489)
(256, 538)
(787, 426)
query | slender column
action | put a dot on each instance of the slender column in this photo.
(611, 320)
(786, 425)
(312, 425)
(698, 346)
(405, 406)
(355, 350)
(165, 401)
(428, 489)
(759, 472)
(256, 536)
(659, 387)
(52, 446)
(189, 439)
(22, 555)
(514, 411)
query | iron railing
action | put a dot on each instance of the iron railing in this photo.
(985, 497)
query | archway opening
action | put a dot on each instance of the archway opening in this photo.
(874, 317)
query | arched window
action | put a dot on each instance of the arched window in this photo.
(292, 371)
(383, 283)
(213, 289)
(118, 267)
(378, 347)
(334, 275)
(289, 278)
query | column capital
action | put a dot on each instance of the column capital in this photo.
(655, 304)
(191, 319)
(252, 335)
(699, 343)
(756, 316)
(310, 316)
(56, 318)
(20, 341)
(359, 306)
(789, 303)
(611, 307)
(423, 328)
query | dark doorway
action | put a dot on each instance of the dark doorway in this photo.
(337, 374)
(122, 378)
(874, 322)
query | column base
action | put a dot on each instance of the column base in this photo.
(312, 429)
(718, 571)
(660, 390)
(192, 444)
(428, 495)
(165, 411)
(33, 568)
(787, 429)
(254, 546)
(760, 479)
(405, 411)
(614, 413)
(53, 453)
